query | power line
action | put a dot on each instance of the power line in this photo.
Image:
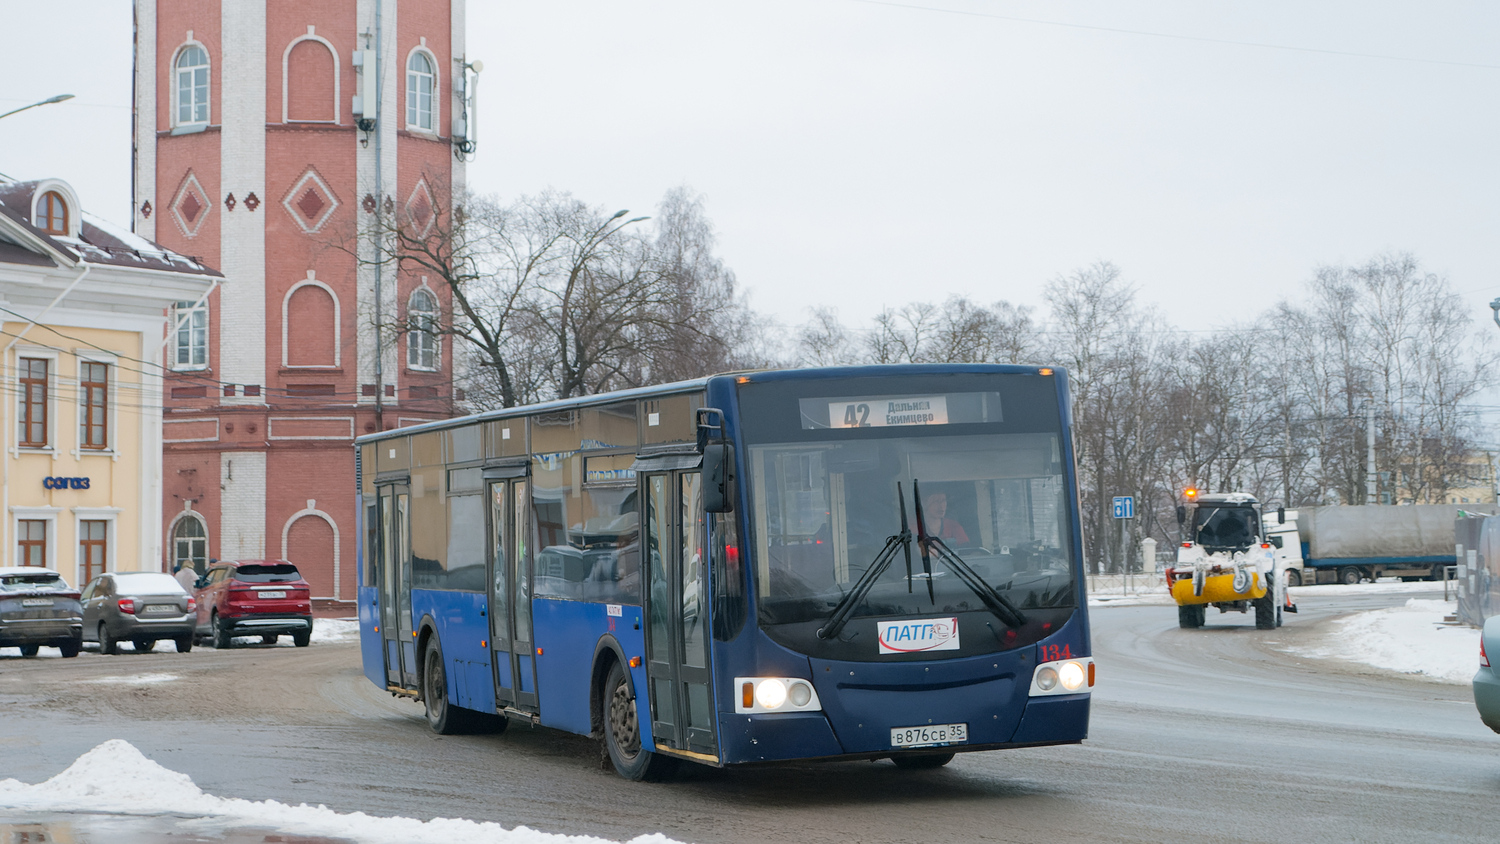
(1177, 36)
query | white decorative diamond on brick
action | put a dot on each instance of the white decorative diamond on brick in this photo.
(310, 202)
(420, 212)
(190, 206)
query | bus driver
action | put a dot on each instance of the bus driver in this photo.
(935, 509)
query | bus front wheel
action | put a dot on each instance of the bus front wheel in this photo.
(622, 733)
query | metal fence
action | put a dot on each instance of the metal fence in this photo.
(1126, 584)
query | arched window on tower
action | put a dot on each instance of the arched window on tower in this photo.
(311, 82)
(421, 337)
(192, 85)
(190, 544)
(421, 81)
(52, 213)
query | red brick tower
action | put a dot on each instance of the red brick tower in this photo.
(268, 134)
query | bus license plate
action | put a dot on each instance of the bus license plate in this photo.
(273, 594)
(930, 736)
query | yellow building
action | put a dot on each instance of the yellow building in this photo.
(84, 323)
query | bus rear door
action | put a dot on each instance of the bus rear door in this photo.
(676, 608)
(395, 586)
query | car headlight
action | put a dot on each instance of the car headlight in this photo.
(758, 695)
(1063, 677)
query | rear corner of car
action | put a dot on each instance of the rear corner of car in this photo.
(1487, 697)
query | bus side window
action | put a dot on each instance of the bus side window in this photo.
(731, 607)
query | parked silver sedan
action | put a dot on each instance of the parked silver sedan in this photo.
(138, 606)
(1487, 681)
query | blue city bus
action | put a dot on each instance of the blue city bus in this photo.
(840, 563)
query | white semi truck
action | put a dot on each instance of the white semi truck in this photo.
(1228, 559)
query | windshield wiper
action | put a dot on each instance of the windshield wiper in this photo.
(851, 600)
(993, 600)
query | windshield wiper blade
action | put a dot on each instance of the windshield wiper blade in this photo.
(993, 600)
(851, 600)
(922, 539)
(997, 603)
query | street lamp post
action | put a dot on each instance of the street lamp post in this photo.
(49, 101)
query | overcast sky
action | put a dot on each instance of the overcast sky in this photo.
(862, 154)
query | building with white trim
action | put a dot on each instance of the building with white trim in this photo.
(83, 311)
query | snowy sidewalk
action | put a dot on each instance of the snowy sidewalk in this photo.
(1410, 639)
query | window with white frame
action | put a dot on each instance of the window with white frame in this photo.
(421, 338)
(93, 400)
(33, 402)
(192, 85)
(421, 80)
(31, 542)
(93, 548)
(190, 335)
(190, 544)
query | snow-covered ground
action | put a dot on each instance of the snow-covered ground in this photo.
(1410, 639)
(115, 778)
(1157, 595)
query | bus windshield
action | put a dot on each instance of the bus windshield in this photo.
(823, 512)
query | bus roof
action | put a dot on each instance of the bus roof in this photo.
(701, 383)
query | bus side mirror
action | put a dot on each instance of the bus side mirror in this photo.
(1181, 515)
(1280, 517)
(1275, 540)
(718, 478)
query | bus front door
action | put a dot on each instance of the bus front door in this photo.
(511, 641)
(395, 587)
(676, 609)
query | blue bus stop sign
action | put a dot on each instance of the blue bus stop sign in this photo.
(1124, 507)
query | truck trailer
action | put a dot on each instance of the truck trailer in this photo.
(1347, 544)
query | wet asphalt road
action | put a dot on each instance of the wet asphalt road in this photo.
(1197, 736)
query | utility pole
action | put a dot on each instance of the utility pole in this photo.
(1370, 452)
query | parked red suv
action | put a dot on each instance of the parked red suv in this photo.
(264, 598)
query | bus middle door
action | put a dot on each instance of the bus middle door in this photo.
(511, 639)
(677, 613)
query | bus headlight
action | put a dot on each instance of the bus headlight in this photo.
(771, 693)
(1063, 677)
(759, 695)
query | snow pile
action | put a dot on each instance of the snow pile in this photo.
(335, 629)
(114, 778)
(1383, 586)
(1156, 596)
(1410, 639)
(134, 679)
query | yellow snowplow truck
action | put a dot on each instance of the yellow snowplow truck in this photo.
(1226, 560)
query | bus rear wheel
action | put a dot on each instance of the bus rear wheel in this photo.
(622, 733)
(443, 717)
